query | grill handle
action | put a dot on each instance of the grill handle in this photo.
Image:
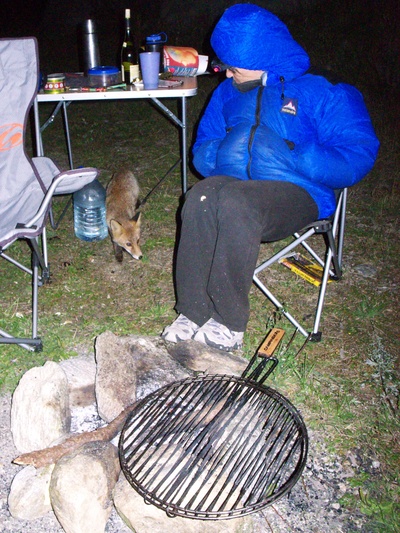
(268, 362)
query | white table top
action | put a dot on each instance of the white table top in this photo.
(188, 88)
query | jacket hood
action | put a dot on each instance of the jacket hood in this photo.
(248, 36)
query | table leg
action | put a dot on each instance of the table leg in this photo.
(184, 147)
(182, 124)
(38, 133)
(67, 135)
(38, 128)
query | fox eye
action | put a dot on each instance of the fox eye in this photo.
(129, 243)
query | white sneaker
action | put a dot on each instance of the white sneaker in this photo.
(219, 336)
(182, 329)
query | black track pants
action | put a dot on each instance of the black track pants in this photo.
(224, 221)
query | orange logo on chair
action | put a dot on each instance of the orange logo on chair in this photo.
(10, 136)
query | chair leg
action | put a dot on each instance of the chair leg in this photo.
(279, 305)
(38, 260)
(333, 233)
(35, 285)
(316, 335)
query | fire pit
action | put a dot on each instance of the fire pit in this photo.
(215, 446)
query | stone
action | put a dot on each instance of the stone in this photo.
(200, 358)
(29, 493)
(366, 270)
(144, 518)
(155, 367)
(81, 487)
(40, 411)
(81, 375)
(129, 368)
(115, 386)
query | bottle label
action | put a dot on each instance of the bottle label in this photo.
(134, 73)
(130, 73)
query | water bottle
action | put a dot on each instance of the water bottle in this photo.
(90, 212)
(155, 43)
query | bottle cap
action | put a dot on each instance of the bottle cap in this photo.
(158, 38)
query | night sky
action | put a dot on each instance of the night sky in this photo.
(358, 38)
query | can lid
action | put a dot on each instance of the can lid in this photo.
(102, 71)
(57, 76)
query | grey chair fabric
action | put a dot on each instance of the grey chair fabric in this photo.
(27, 185)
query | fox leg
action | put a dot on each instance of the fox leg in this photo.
(118, 252)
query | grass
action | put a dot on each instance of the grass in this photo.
(346, 386)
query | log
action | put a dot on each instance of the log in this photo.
(47, 456)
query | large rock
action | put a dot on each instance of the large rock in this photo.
(144, 518)
(81, 487)
(40, 411)
(81, 375)
(129, 368)
(29, 493)
(198, 357)
(115, 376)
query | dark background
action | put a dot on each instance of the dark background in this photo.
(357, 39)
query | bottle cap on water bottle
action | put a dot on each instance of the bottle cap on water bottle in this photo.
(157, 38)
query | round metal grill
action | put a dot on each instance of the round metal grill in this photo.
(213, 447)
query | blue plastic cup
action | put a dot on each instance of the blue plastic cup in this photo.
(150, 68)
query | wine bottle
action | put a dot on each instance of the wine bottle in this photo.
(129, 54)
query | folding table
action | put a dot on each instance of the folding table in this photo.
(64, 99)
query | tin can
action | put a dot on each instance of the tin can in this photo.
(55, 83)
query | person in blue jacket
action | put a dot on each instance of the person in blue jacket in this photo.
(274, 143)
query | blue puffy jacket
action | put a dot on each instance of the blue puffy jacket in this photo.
(245, 135)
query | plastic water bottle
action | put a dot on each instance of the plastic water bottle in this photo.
(155, 43)
(90, 212)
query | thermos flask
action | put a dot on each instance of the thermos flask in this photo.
(90, 45)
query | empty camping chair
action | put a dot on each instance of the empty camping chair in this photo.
(332, 230)
(27, 184)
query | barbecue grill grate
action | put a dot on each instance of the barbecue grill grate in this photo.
(213, 447)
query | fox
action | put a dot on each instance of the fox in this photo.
(123, 219)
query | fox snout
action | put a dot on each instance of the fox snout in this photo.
(134, 250)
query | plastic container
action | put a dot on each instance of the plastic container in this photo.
(155, 43)
(103, 76)
(90, 212)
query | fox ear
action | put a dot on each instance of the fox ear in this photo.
(137, 217)
(115, 226)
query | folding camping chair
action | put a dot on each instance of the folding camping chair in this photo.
(332, 229)
(27, 184)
